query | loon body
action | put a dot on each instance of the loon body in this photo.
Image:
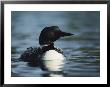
(47, 51)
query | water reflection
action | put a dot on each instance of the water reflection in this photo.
(52, 65)
(53, 74)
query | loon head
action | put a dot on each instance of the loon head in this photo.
(50, 34)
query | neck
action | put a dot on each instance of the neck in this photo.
(48, 47)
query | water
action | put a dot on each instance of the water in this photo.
(82, 51)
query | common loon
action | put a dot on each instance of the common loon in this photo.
(46, 51)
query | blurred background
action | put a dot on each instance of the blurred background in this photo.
(81, 50)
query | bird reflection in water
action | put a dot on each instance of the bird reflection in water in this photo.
(53, 67)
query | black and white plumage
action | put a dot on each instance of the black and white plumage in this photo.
(34, 56)
(47, 51)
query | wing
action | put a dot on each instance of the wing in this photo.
(32, 56)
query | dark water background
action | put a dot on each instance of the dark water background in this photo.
(82, 50)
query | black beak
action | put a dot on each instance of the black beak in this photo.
(66, 34)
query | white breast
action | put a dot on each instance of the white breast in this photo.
(53, 55)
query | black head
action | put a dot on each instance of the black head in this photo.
(50, 34)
